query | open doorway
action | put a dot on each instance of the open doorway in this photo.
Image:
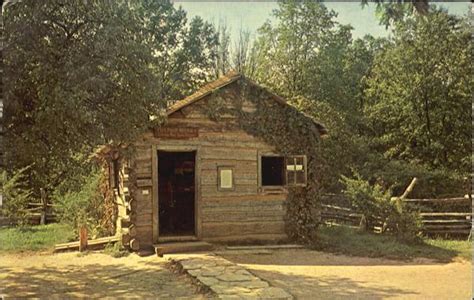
(176, 188)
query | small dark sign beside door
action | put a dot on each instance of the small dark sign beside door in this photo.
(176, 132)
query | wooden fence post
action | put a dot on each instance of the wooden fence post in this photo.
(82, 238)
(44, 206)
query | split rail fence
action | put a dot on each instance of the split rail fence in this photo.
(443, 216)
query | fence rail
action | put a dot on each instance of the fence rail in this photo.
(447, 216)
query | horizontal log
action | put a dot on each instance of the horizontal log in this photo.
(448, 231)
(224, 153)
(326, 206)
(238, 165)
(446, 226)
(438, 200)
(445, 214)
(238, 181)
(242, 201)
(242, 216)
(249, 207)
(446, 221)
(144, 182)
(248, 238)
(236, 228)
(239, 190)
(239, 173)
(90, 243)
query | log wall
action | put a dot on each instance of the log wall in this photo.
(241, 213)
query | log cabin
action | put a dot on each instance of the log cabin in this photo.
(202, 177)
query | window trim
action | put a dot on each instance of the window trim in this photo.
(219, 169)
(268, 189)
(305, 170)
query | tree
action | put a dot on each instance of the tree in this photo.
(244, 56)
(78, 75)
(311, 59)
(419, 93)
(184, 54)
(222, 64)
(390, 11)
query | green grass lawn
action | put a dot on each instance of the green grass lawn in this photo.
(34, 238)
(349, 241)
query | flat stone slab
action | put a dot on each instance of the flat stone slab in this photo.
(226, 279)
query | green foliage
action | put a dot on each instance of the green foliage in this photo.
(303, 54)
(377, 206)
(419, 94)
(78, 75)
(350, 241)
(34, 238)
(371, 201)
(16, 196)
(84, 206)
(116, 250)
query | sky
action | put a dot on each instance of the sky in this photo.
(251, 15)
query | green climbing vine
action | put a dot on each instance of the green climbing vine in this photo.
(291, 133)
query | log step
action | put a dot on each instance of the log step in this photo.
(182, 247)
(91, 244)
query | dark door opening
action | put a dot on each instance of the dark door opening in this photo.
(176, 171)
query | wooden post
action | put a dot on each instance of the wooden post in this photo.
(44, 203)
(409, 188)
(82, 238)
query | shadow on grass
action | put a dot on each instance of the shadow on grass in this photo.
(349, 241)
(94, 281)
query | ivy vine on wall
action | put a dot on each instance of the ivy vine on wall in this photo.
(290, 132)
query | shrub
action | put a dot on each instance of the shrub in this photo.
(16, 196)
(371, 201)
(83, 207)
(376, 204)
(404, 222)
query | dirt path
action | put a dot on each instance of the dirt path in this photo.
(315, 275)
(91, 276)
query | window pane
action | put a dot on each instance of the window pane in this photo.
(299, 160)
(273, 170)
(226, 178)
(300, 178)
(294, 167)
(291, 177)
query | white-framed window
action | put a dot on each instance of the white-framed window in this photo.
(225, 178)
(277, 172)
(296, 174)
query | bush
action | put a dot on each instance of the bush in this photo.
(371, 201)
(377, 206)
(404, 222)
(83, 207)
(16, 196)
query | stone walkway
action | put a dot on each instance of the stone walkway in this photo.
(226, 279)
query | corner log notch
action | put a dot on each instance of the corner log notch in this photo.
(118, 189)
